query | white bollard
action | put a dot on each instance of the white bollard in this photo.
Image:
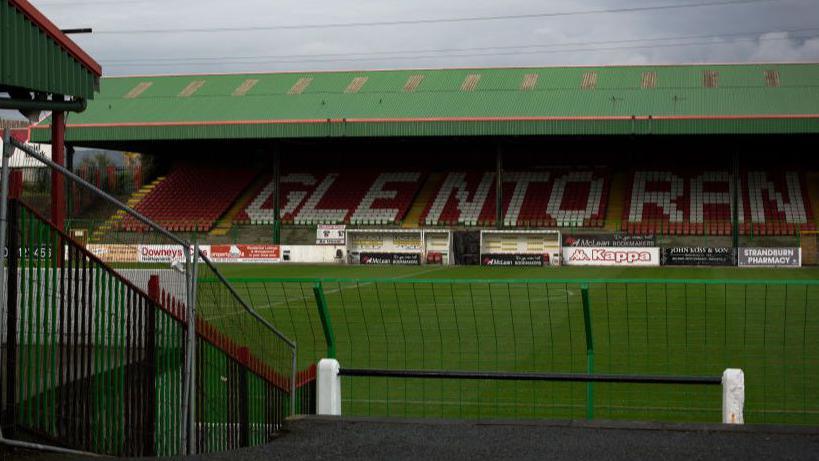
(733, 396)
(328, 388)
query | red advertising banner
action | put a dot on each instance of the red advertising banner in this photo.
(245, 253)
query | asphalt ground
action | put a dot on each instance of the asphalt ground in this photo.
(318, 437)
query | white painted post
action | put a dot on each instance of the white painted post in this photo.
(733, 396)
(328, 388)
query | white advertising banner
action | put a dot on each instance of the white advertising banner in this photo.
(238, 253)
(165, 253)
(769, 257)
(611, 256)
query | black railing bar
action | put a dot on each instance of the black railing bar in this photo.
(524, 376)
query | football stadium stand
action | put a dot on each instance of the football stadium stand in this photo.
(191, 198)
(699, 203)
(658, 201)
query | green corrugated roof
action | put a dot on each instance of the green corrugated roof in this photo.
(770, 98)
(37, 56)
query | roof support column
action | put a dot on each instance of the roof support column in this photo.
(277, 222)
(69, 194)
(737, 183)
(499, 215)
(58, 157)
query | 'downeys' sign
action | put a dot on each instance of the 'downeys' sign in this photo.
(611, 256)
(165, 253)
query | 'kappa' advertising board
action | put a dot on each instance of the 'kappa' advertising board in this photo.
(611, 256)
(394, 259)
(516, 259)
(698, 256)
(609, 240)
(770, 257)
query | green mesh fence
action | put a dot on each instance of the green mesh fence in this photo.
(680, 328)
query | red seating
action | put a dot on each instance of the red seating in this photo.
(191, 198)
(355, 196)
(560, 197)
(699, 203)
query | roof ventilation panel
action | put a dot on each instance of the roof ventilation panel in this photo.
(246, 86)
(300, 85)
(192, 88)
(648, 80)
(138, 90)
(412, 82)
(356, 85)
(589, 81)
(710, 79)
(470, 82)
(529, 81)
(772, 78)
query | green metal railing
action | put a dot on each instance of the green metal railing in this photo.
(770, 329)
(92, 362)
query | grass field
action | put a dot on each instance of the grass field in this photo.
(670, 321)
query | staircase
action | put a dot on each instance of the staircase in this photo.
(112, 222)
(224, 224)
(413, 217)
(617, 199)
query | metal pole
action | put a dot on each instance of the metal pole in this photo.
(8, 149)
(499, 215)
(188, 358)
(735, 206)
(293, 383)
(277, 224)
(192, 340)
(584, 292)
(326, 323)
(58, 157)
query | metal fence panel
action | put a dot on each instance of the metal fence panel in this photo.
(683, 328)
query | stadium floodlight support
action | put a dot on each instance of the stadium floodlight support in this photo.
(329, 373)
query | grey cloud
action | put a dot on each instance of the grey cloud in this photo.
(138, 51)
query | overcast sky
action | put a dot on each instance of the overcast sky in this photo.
(759, 31)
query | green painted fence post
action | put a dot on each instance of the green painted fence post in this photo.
(326, 324)
(584, 292)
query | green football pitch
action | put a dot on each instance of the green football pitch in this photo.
(655, 321)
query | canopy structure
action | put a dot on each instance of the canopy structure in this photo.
(41, 69)
(37, 57)
(678, 99)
